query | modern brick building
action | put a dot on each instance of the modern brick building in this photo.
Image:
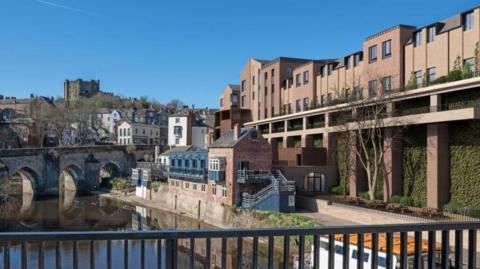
(428, 77)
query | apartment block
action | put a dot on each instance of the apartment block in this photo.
(428, 76)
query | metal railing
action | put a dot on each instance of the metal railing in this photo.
(278, 184)
(404, 243)
(151, 165)
(247, 176)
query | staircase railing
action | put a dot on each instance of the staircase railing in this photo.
(278, 183)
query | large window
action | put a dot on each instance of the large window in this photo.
(419, 78)
(224, 191)
(356, 59)
(347, 62)
(298, 81)
(244, 85)
(432, 32)
(305, 77)
(234, 99)
(243, 100)
(177, 131)
(305, 103)
(468, 21)
(216, 164)
(298, 105)
(417, 39)
(387, 85)
(387, 48)
(372, 54)
(431, 74)
(470, 64)
(372, 88)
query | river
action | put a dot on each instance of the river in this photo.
(89, 213)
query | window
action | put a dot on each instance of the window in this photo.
(203, 187)
(179, 163)
(253, 95)
(234, 99)
(289, 70)
(214, 189)
(172, 162)
(266, 75)
(347, 62)
(372, 54)
(417, 39)
(177, 120)
(244, 84)
(202, 164)
(216, 164)
(372, 88)
(329, 69)
(272, 112)
(387, 49)
(305, 103)
(177, 141)
(243, 100)
(221, 104)
(470, 64)
(128, 130)
(273, 88)
(418, 78)
(136, 130)
(187, 185)
(322, 71)
(224, 191)
(187, 163)
(297, 80)
(298, 105)
(177, 131)
(432, 31)
(305, 77)
(431, 75)
(194, 163)
(468, 21)
(177, 183)
(253, 80)
(273, 73)
(143, 131)
(194, 186)
(387, 85)
(266, 90)
(356, 59)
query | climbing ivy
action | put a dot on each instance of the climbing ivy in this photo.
(415, 162)
(465, 163)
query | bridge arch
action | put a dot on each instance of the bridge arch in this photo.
(72, 179)
(108, 171)
(24, 181)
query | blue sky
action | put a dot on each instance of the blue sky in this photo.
(187, 50)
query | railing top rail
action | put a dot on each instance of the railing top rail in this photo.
(219, 233)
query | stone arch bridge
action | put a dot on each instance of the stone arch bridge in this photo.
(45, 171)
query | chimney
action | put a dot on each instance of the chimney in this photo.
(236, 132)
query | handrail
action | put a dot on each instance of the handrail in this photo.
(180, 234)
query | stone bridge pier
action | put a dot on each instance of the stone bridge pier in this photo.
(51, 171)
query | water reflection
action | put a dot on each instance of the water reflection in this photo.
(70, 213)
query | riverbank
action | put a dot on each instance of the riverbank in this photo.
(226, 217)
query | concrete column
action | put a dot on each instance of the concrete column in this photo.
(435, 103)
(356, 174)
(304, 123)
(330, 144)
(393, 163)
(438, 165)
(285, 126)
(306, 141)
(327, 119)
(269, 128)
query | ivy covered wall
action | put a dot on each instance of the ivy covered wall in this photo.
(465, 163)
(415, 162)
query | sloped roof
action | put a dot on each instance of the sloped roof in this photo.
(176, 149)
(227, 141)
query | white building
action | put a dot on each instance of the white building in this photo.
(186, 130)
(138, 133)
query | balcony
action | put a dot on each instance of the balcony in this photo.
(421, 245)
(186, 173)
(253, 176)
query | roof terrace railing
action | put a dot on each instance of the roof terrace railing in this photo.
(420, 244)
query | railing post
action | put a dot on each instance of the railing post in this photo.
(170, 254)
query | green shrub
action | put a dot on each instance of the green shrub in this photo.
(120, 185)
(365, 195)
(460, 209)
(455, 75)
(396, 199)
(337, 190)
(155, 186)
(439, 80)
